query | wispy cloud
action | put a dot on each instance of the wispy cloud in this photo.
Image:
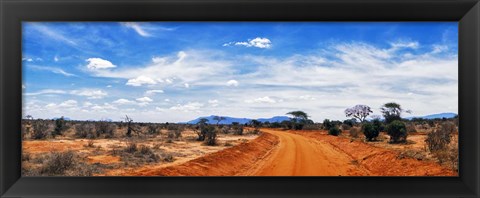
(143, 29)
(52, 34)
(90, 93)
(51, 69)
(46, 91)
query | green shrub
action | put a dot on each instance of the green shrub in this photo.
(335, 131)
(370, 131)
(397, 131)
(378, 125)
(210, 135)
(327, 124)
(60, 126)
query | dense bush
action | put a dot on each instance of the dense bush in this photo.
(378, 125)
(335, 131)
(40, 129)
(57, 163)
(60, 126)
(210, 135)
(397, 131)
(237, 129)
(105, 128)
(411, 128)
(85, 130)
(370, 131)
(327, 124)
(131, 148)
(441, 137)
(153, 129)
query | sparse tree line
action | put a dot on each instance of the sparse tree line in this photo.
(37, 129)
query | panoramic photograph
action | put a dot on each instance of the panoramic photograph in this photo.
(240, 99)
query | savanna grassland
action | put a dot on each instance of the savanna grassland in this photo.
(298, 147)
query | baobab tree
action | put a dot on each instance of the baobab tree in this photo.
(359, 112)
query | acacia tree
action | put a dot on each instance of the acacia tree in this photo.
(360, 112)
(299, 119)
(392, 111)
(298, 115)
(200, 129)
(218, 119)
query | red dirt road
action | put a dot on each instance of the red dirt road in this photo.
(293, 153)
(296, 155)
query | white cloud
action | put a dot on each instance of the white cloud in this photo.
(403, 44)
(322, 83)
(138, 28)
(68, 104)
(306, 97)
(141, 80)
(56, 59)
(213, 103)
(256, 42)
(144, 99)
(145, 29)
(98, 63)
(439, 48)
(265, 99)
(87, 104)
(104, 108)
(177, 69)
(187, 85)
(123, 101)
(191, 106)
(153, 91)
(232, 83)
(46, 91)
(90, 93)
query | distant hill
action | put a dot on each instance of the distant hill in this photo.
(65, 118)
(435, 116)
(229, 120)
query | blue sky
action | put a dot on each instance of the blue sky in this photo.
(178, 71)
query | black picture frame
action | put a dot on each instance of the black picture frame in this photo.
(13, 12)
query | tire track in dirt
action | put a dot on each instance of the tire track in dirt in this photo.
(297, 155)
